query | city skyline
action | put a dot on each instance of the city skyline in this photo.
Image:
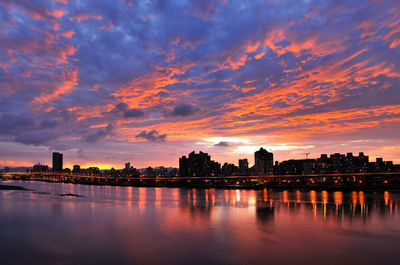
(147, 82)
(203, 165)
(47, 160)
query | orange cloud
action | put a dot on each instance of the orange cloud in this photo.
(82, 17)
(252, 47)
(56, 13)
(68, 34)
(144, 91)
(108, 26)
(68, 51)
(395, 44)
(69, 81)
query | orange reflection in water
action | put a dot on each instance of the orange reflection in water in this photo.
(252, 197)
(157, 201)
(354, 201)
(361, 197)
(313, 200)
(129, 190)
(285, 196)
(226, 196)
(233, 197)
(212, 191)
(386, 197)
(313, 197)
(338, 197)
(194, 196)
(354, 198)
(324, 197)
(361, 201)
(324, 201)
(175, 195)
(142, 197)
(298, 196)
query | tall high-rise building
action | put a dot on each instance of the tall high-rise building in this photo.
(263, 162)
(127, 166)
(183, 166)
(243, 167)
(57, 162)
(198, 165)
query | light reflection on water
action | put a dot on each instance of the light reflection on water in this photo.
(127, 225)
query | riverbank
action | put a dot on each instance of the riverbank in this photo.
(218, 184)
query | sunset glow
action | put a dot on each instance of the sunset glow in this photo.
(107, 82)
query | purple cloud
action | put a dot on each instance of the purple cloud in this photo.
(153, 136)
(99, 134)
(183, 110)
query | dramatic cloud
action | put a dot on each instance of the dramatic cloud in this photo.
(100, 134)
(222, 144)
(151, 136)
(183, 109)
(14, 124)
(292, 76)
(36, 137)
(126, 112)
(133, 113)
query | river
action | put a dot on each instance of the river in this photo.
(128, 225)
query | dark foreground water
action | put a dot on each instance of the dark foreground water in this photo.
(126, 225)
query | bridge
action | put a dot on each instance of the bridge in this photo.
(389, 180)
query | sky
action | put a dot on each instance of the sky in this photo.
(107, 82)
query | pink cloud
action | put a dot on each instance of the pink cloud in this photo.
(68, 34)
(82, 17)
(56, 13)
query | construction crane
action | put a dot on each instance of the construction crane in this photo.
(307, 155)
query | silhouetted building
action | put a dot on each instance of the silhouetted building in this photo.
(229, 169)
(91, 171)
(160, 171)
(361, 163)
(215, 169)
(174, 172)
(183, 167)
(76, 169)
(128, 171)
(297, 167)
(40, 168)
(263, 162)
(57, 162)
(243, 167)
(334, 164)
(149, 172)
(197, 165)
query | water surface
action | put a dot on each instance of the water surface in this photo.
(128, 225)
